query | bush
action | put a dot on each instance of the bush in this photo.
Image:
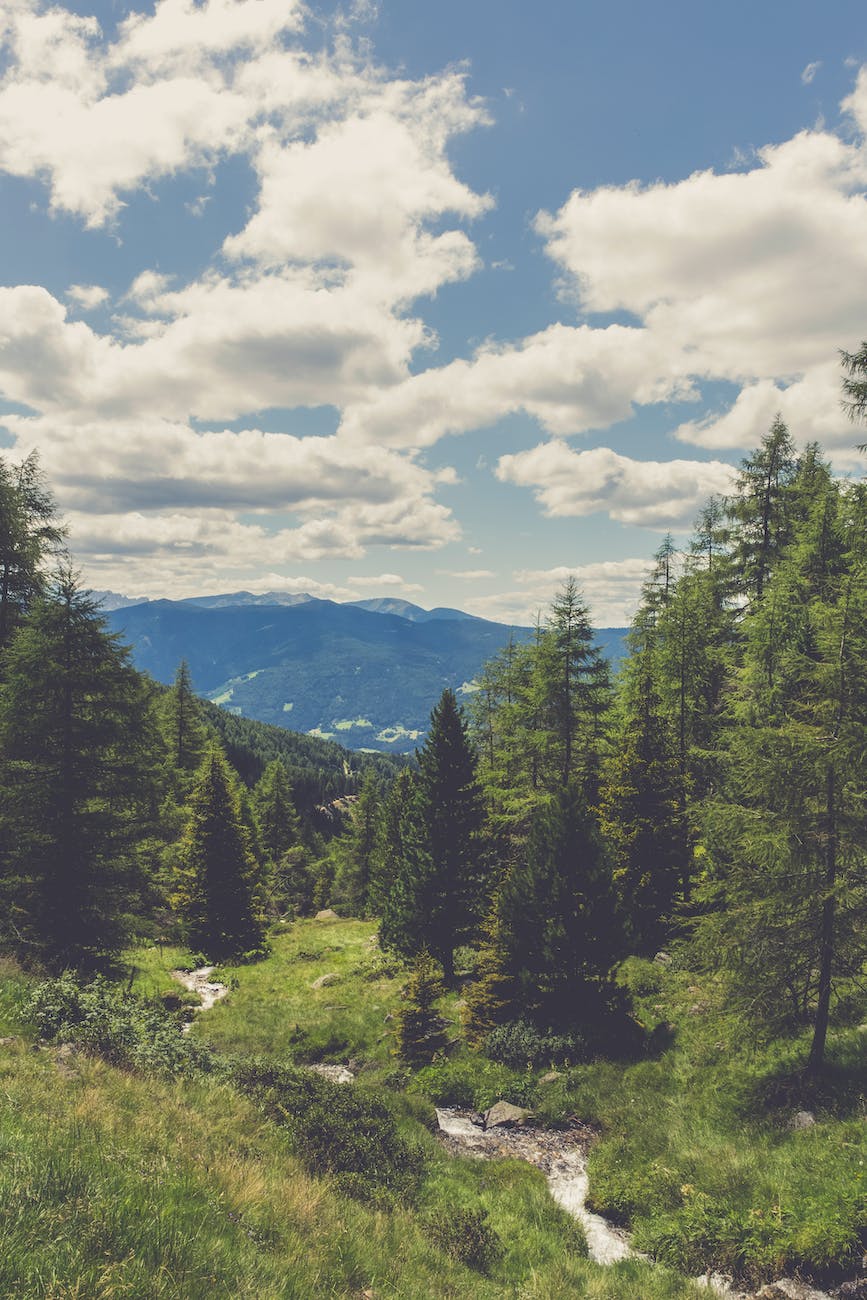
(337, 1129)
(472, 1083)
(520, 1045)
(122, 1028)
(467, 1236)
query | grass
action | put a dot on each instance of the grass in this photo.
(118, 1183)
(115, 1184)
(274, 1010)
(148, 969)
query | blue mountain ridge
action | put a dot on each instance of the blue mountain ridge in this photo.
(364, 676)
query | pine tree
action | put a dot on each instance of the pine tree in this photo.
(78, 755)
(29, 535)
(788, 902)
(642, 815)
(421, 1030)
(491, 999)
(276, 817)
(760, 509)
(357, 853)
(559, 928)
(217, 892)
(451, 815)
(183, 727)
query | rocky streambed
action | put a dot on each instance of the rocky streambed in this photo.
(504, 1132)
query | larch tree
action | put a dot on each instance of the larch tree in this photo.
(29, 536)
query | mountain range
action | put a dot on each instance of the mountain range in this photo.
(366, 673)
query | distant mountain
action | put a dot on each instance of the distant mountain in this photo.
(367, 679)
(248, 598)
(404, 609)
(108, 600)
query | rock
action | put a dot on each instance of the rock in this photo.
(326, 915)
(504, 1115)
(662, 959)
(788, 1288)
(803, 1119)
(551, 1077)
(336, 1073)
(324, 980)
(7, 1042)
(856, 1289)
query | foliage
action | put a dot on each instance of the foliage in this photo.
(121, 1028)
(466, 1235)
(77, 762)
(337, 1129)
(421, 1030)
(520, 1045)
(217, 891)
(29, 536)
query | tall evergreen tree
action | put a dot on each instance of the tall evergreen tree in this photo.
(760, 510)
(217, 891)
(77, 757)
(786, 839)
(183, 727)
(29, 535)
(558, 926)
(439, 894)
(643, 817)
(356, 866)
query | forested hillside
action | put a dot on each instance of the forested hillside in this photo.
(638, 901)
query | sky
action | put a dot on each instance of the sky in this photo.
(442, 302)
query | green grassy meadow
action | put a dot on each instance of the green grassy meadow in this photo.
(118, 1183)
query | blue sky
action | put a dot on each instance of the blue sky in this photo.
(441, 302)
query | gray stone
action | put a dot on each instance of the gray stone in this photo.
(855, 1289)
(551, 1077)
(803, 1119)
(504, 1115)
(7, 1042)
(323, 981)
(662, 959)
(327, 914)
(788, 1288)
(336, 1073)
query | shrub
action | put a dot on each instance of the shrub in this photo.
(337, 1129)
(421, 1030)
(473, 1083)
(519, 1044)
(467, 1236)
(122, 1028)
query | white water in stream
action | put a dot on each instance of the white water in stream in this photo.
(565, 1169)
(197, 981)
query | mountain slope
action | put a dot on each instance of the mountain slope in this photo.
(368, 679)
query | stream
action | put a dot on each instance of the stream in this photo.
(199, 982)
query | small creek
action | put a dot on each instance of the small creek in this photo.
(562, 1158)
(199, 982)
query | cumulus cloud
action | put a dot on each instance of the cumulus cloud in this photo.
(87, 296)
(656, 494)
(611, 588)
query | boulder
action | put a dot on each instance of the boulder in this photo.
(551, 1077)
(327, 914)
(324, 980)
(803, 1119)
(504, 1115)
(7, 1042)
(662, 959)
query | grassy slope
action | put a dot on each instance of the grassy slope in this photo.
(119, 1185)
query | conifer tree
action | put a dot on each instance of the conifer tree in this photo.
(451, 815)
(760, 509)
(559, 928)
(491, 999)
(29, 535)
(77, 756)
(217, 891)
(357, 852)
(642, 815)
(788, 905)
(277, 820)
(421, 1030)
(183, 727)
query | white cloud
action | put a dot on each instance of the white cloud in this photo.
(808, 75)
(612, 588)
(87, 296)
(467, 575)
(656, 494)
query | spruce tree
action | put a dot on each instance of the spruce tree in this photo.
(642, 815)
(760, 510)
(559, 928)
(217, 891)
(78, 755)
(421, 1030)
(183, 728)
(29, 535)
(451, 815)
(357, 852)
